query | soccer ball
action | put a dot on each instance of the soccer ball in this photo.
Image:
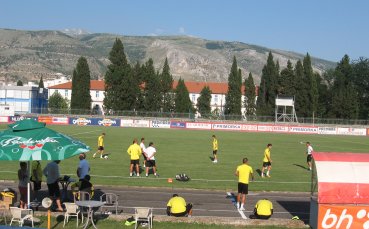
(106, 157)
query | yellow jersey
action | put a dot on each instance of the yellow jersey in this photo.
(100, 140)
(264, 207)
(215, 144)
(134, 151)
(244, 172)
(177, 204)
(266, 155)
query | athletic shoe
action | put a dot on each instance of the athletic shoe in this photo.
(262, 176)
(138, 174)
(94, 156)
(241, 209)
(147, 175)
(268, 176)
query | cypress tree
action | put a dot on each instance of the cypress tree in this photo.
(250, 95)
(41, 83)
(19, 83)
(166, 81)
(360, 70)
(233, 98)
(81, 97)
(153, 99)
(311, 85)
(302, 91)
(203, 102)
(182, 100)
(117, 69)
(287, 81)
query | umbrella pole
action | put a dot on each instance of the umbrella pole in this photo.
(29, 187)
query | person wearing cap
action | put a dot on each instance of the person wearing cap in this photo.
(177, 207)
(263, 209)
(83, 166)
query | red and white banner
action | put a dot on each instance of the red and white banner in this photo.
(343, 216)
(225, 126)
(351, 131)
(4, 119)
(265, 128)
(327, 130)
(134, 123)
(303, 129)
(198, 125)
(249, 127)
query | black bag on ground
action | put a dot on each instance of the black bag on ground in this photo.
(182, 177)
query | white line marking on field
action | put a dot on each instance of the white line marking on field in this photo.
(87, 132)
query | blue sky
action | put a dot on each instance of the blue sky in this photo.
(327, 29)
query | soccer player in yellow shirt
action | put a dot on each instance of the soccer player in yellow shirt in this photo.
(177, 207)
(244, 172)
(134, 151)
(215, 149)
(100, 146)
(267, 161)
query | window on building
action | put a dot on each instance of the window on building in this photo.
(193, 98)
(215, 98)
(97, 94)
(66, 93)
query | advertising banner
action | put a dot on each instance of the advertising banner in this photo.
(45, 119)
(18, 118)
(249, 127)
(327, 130)
(277, 128)
(351, 131)
(4, 119)
(225, 126)
(198, 125)
(265, 128)
(367, 132)
(303, 129)
(134, 123)
(160, 124)
(343, 216)
(108, 122)
(83, 121)
(60, 120)
(177, 124)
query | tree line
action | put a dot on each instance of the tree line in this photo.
(342, 92)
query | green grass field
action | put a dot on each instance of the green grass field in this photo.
(189, 151)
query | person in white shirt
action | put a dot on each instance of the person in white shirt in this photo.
(150, 162)
(143, 148)
(83, 166)
(51, 171)
(309, 157)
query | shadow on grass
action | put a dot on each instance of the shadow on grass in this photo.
(301, 166)
(297, 208)
(211, 158)
(258, 171)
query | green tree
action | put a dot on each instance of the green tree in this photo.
(287, 81)
(114, 78)
(360, 69)
(57, 104)
(310, 79)
(234, 95)
(203, 102)
(166, 81)
(41, 83)
(344, 96)
(268, 88)
(250, 95)
(81, 97)
(153, 98)
(182, 100)
(302, 92)
(19, 83)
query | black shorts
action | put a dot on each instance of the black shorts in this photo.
(262, 216)
(100, 148)
(144, 156)
(36, 185)
(243, 188)
(215, 152)
(309, 158)
(54, 189)
(135, 162)
(180, 214)
(150, 163)
(266, 164)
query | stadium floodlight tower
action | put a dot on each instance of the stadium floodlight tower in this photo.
(285, 109)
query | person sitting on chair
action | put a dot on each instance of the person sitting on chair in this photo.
(83, 185)
(177, 207)
(263, 209)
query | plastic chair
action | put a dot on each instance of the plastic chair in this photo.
(82, 195)
(72, 210)
(3, 211)
(143, 215)
(20, 215)
(110, 200)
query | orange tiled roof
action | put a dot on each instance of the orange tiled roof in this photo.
(192, 87)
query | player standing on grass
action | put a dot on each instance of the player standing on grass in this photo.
(309, 157)
(150, 159)
(100, 146)
(267, 161)
(134, 151)
(215, 149)
(243, 172)
(143, 149)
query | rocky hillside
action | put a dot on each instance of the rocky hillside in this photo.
(28, 55)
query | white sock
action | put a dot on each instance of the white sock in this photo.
(268, 173)
(130, 174)
(241, 206)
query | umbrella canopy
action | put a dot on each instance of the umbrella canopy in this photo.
(29, 140)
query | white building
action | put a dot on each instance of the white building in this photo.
(97, 88)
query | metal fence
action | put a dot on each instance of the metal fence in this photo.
(205, 118)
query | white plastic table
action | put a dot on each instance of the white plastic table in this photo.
(90, 204)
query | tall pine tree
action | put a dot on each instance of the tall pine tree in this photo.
(166, 82)
(233, 98)
(153, 98)
(310, 79)
(182, 100)
(203, 102)
(81, 97)
(41, 83)
(250, 95)
(302, 92)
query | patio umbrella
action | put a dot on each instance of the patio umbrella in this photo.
(29, 140)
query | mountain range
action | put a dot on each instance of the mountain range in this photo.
(28, 55)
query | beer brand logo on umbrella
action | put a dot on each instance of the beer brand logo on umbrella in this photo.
(30, 143)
